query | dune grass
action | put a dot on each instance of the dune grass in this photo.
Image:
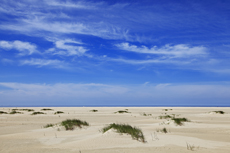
(29, 110)
(191, 147)
(36, 113)
(94, 110)
(1, 112)
(180, 121)
(70, 124)
(144, 114)
(177, 121)
(48, 125)
(219, 112)
(166, 117)
(46, 109)
(164, 130)
(15, 112)
(122, 111)
(124, 128)
(58, 112)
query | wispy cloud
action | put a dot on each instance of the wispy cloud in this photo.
(24, 48)
(150, 61)
(68, 4)
(37, 22)
(44, 62)
(99, 29)
(124, 21)
(180, 50)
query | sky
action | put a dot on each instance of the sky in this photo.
(116, 52)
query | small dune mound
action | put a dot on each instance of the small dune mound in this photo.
(71, 124)
(124, 128)
(36, 113)
(1, 112)
(58, 112)
(46, 109)
(15, 112)
(122, 111)
(217, 112)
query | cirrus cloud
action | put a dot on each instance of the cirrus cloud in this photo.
(46, 62)
(180, 50)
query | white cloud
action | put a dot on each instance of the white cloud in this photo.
(178, 51)
(24, 48)
(76, 5)
(151, 61)
(40, 27)
(67, 47)
(93, 93)
(46, 62)
(37, 22)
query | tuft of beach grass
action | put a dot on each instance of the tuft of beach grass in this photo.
(122, 111)
(15, 112)
(177, 121)
(166, 117)
(48, 125)
(36, 113)
(94, 110)
(46, 109)
(219, 112)
(144, 114)
(58, 112)
(1, 112)
(135, 133)
(180, 121)
(191, 147)
(29, 110)
(70, 124)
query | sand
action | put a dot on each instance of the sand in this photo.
(207, 132)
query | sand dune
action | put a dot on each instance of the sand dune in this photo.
(206, 132)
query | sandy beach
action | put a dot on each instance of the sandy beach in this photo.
(206, 131)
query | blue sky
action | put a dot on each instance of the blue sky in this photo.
(118, 52)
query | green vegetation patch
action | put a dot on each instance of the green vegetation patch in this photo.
(59, 112)
(36, 113)
(219, 112)
(48, 125)
(177, 121)
(124, 128)
(46, 109)
(15, 112)
(94, 110)
(164, 130)
(122, 111)
(70, 124)
(166, 117)
(1, 112)
(29, 110)
(166, 109)
(144, 114)
(180, 121)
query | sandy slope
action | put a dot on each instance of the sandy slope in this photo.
(208, 132)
